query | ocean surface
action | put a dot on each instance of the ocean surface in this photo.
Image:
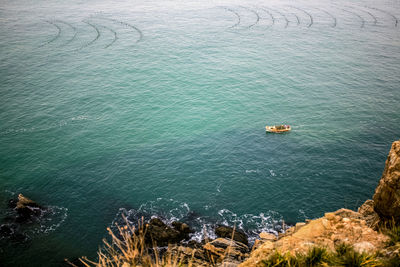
(158, 108)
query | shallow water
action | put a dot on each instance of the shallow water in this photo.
(159, 108)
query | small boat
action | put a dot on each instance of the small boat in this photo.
(278, 128)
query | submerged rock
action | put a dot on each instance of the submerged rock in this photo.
(387, 194)
(7, 230)
(228, 232)
(11, 232)
(22, 211)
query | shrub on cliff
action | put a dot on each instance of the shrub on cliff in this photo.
(319, 256)
(393, 231)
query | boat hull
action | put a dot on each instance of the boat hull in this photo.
(278, 129)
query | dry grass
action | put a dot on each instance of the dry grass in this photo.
(129, 249)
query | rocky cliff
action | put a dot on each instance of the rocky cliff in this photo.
(386, 200)
(365, 230)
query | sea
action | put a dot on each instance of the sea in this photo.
(113, 109)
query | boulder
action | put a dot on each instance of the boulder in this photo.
(387, 194)
(183, 229)
(227, 232)
(160, 234)
(26, 209)
(267, 236)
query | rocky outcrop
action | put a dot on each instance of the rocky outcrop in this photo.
(27, 209)
(342, 226)
(160, 234)
(229, 232)
(22, 211)
(387, 194)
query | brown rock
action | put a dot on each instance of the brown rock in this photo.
(362, 247)
(387, 194)
(370, 216)
(223, 249)
(267, 236)
(342, 226)
(228, 232)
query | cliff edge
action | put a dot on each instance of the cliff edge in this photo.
(386, 200)
(365, 231)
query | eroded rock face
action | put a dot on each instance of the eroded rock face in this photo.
(387, 194)
(226, 232)
(369, 215)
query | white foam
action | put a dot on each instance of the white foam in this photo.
(169, 210)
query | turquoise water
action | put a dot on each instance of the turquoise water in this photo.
(159, 108)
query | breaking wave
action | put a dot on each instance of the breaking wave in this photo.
(169, 210)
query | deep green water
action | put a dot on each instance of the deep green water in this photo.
(159, 108)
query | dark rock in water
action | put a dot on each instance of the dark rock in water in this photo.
(22, 211)
(12, 203)
(227, 232)
(26, 209)
(161, 234)
(10, 231)
(183, 229)
(157, 222)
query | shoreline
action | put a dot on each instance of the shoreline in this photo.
(364, 231)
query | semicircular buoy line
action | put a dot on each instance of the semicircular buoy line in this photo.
(305, 12)
(127, 25)
(355, 14)
(297, 18)
(366, 12)
(270, 14)
(282, 15)
(72, 27)
(115, 36)
(255, 13)
(330, 15)
(56, 36)
(237, 16)
(387, 13)
(97, 36)
(372, 15)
